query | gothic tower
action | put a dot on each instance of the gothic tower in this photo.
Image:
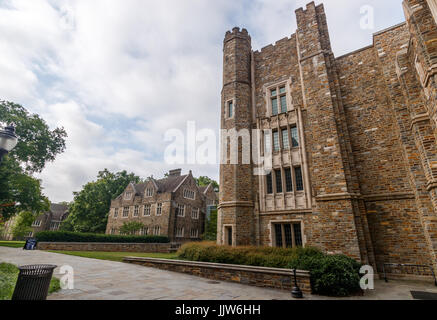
(235, 212)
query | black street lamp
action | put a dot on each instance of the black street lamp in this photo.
(296, 292)
(8, 140)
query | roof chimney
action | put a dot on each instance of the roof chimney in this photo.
(175, 173)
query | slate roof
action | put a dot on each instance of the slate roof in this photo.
(164, 185)
(58, 210)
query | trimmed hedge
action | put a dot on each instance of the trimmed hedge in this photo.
(66, 236)
(331, 275)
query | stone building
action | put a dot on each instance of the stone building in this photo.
(352, 138)
(51, 220)
(48, 221)
(173, 207)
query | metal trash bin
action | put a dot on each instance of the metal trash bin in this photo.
(33, 282)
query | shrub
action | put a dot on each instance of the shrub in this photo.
(66, 236)
(254, 256)
(331, 275)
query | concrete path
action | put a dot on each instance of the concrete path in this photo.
(108, 280)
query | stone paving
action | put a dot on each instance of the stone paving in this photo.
(108, 280)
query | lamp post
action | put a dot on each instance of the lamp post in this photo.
(296, 292)
(8, 140)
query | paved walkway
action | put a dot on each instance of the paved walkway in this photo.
(108, 280)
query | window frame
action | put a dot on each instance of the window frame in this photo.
(288, 182)
(180, 232)
(302, 183)
(285, 138)
(195, 213)
(147, 210)
(136, 211)
(159, 209)
(195, 234)
(295, 138)
(149, 192)
(179, 211)
(275, 93)
(278, 184)
(295, 236)
(124, 211)
(227, 113)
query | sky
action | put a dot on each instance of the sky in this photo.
(119, 74)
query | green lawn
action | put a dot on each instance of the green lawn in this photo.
(116, 256)
(8, 279)
(12, 244)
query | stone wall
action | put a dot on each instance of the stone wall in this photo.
(254, 276)
(106, 247)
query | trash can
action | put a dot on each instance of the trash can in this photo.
(33, 282)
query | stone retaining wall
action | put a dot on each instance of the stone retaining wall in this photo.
(106, 247)
(254, 276)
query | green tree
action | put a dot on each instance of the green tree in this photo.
(90, 208)
(204, 181)
(211, 227)
(37, 145)
(23, 225)
(131, 228)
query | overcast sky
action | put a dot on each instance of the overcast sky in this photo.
(117, 74)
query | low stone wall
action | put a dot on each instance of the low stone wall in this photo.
(254, 276)
(106, 247)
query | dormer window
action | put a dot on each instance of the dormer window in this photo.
(149, 192)
(128, 195)
(188, 194)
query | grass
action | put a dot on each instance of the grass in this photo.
(8, 279)
(12, 244)
(116, 256)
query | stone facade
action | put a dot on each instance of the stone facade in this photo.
(354, 154)
(173, 207)
(48, 221)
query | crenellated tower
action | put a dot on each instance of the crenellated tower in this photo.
(236, 209)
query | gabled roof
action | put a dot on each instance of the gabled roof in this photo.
(58, 211)
(165, 185)
(204, 189)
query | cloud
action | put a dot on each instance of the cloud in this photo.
(119, 74)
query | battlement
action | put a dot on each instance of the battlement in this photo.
(310, 7)
(277, 43)
(236, 33)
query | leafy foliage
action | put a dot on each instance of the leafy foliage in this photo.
(332, 275)
(90, 208)
(211, 226)
(66, 236)
(23, 224)
(37, 144)
(204, 181)
(131, 228)
(19, 191)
